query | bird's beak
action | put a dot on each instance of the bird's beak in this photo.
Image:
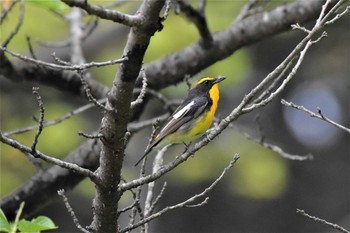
(219, 79)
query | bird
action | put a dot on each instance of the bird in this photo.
(192, 118)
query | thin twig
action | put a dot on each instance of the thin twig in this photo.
(134, 127)
(300, 49)
(27, 150)
(64, 67)
(65, 117)
(246, 10)
(142, 94)
(157, 163)
(60, 61)
(41, 119)
(113, 15)
(153, 134)
(289, 77)
(90, 28)
(322, 14)
(338, 16)
(58, 14)
(324, 34)
(30, 47)
(276, 148)
(198, 18)
(137, 195)
(158, 198)
(90, 97)
(166, 103)
(316, 219)
(205, 202)
(298, 27)
(186, 202)
(71, 211)
(127, 208)
(134, 207)
(18, 26)
(36, 162)
(90, 136)
(8, 10)
(187, 81)
(273, 84)
(324, 18)
(318, 115)
(284, 154)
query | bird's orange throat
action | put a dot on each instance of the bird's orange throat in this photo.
(214, 95)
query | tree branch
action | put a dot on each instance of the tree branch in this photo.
(43, 186)
(74, 167)
(316, 219)
(18, 26)
(115, 120)
(59, 120)
(318, 115)
(187, 202)
(172, 68)
(41, 119)
(244, 106)
(8, 10)
(113, 15)
(277, 149)
(66, 81)
(71, 211)
(64, 67)
(198, 18)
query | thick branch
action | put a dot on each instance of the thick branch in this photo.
(191, 60)
(115, 120)
(198, 18)
(172, 68)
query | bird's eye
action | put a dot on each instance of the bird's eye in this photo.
(207, 82)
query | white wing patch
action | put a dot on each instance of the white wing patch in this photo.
(183, 110)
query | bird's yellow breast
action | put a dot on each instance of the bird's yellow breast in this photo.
(203, 123)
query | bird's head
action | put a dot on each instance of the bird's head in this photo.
(205, 84)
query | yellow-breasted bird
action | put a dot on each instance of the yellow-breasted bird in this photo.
(192, 118)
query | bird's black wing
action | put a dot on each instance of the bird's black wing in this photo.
(186, 112)
(183, 114)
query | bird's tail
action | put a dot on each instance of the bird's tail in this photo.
(148, 149)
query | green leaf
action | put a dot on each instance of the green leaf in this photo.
(38, 224)
(4, 224)
(14, 226)
(45, 222)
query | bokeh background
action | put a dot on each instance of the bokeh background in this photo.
(263, 190)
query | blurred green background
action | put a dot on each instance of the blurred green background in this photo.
(262, 185)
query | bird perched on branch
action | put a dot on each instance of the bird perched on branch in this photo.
(192, 118)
